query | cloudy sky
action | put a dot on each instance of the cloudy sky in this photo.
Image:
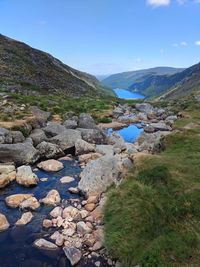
(108, 36)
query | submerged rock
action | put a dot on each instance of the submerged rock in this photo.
(25, 176)
(44, 244)
(51, 165)
(4, 225)
(7, 174)
(73, 254)
(25, 219)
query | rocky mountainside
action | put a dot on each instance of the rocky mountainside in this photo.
(178, 84)
(126, 79)
(28, 70)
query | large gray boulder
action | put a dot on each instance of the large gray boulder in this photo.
(144, 107)
(26, 177)
(161, 126)
(86, 121)
(48, 150)
(20, 154)
(118, 111)
(83, 147)
(52, 129)
(99, 174)
(10, 137)
(70, 124)
(3, 132)
(94, 136)
(40, 117)
(117, 141)
(38, 136)
(66, 139)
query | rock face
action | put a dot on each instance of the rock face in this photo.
(66, 139)
(73, 254)
(44, 244)
(99, 174)
(83, 147)
(48, 150)
(25, 176)
(51, 165)
(20, 154)
(38, 136)
(7, 174)
(53, 129)
(14, 201)
(4, 225)
(86, 121)
(25, 219)
(94, 136)
(52, 198)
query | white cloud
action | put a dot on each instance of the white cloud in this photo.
(183, 43)
(157, 3)
(197, 43)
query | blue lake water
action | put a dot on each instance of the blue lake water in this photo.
(125, 94)
(129, 134)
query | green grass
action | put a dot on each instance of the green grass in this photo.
(153, 218)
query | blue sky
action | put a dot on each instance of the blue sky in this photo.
(108, 36)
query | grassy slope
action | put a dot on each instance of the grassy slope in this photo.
(153, 218)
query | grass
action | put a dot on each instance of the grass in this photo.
(153, 218)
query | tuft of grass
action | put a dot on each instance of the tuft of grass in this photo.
(153, 218)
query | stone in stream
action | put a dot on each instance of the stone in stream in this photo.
(83, 147)
(73, 254)
(30, 204)
(4, 225)
(26, 177)
(66, 179)
(7, 174)
(56, 212)
(25, 219)
(51, 165)
(14, 201)
(52, 198)
(44, 244)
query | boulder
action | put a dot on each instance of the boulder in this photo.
(52, 198)
(38, 136)
(85, 121)
(40, 117)
(83, 147)
(14, 137)
(66, 139)
(118, 111)
(3, 132)
(144, 107)
(99, 174)
(20, 154)
(14, 201)
(30, 204)
(25, 176)
(117, 141)
(7, 174)
(105, 149)
(52, 129)
(88, 157)
(51, 165)
(44, 244)
(70, 124)
(4, 225)
(160, 126)
(25, 219)
(48, 150)
(73, 254)
(149, 129)
(94, 136)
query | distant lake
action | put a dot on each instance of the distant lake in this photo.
(125, 94)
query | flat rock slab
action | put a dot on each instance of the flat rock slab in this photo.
(51, 165)
(73, 254)
(14, 201)
(44, 244)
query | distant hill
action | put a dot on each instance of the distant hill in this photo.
(101, 77)
(125, 79)
(172, 86)
(31, 71)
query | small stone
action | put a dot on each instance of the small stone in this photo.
(73, 190)
(47, 223)
(4, 225)
(25, 219)
(60, 240)
(30, 203)
(66, 179)
(97, 263)
(69, 228)
(56, 212)
(44, 244)
(82, 228)
(52, 198)
(25, 176)
(54, 235)
(90, 207)
(70, 213)
(44, 179)
(109, 261)
(73, 254)
(84, 214)
(97, 246)
(93, 199)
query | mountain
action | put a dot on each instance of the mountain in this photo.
(101, 77)
(172, 86)
(28, 70)
(125, 79)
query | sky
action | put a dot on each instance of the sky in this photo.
(107, 36)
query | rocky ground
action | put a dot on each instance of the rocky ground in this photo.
(105, 160)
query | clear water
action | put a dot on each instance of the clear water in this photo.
(129, 133)
(16, 244)
(125, 94)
